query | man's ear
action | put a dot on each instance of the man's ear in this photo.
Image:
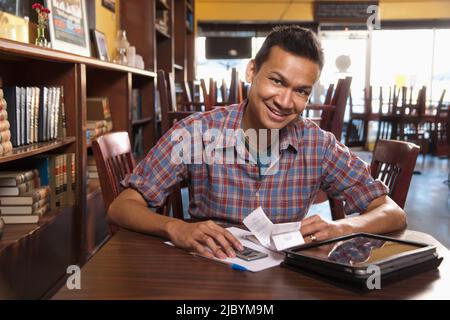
(250, 71)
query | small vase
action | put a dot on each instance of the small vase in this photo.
(40, 39)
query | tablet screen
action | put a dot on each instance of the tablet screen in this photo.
(358, 251)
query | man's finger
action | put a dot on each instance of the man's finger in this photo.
(229, 236)
(199, 248)
(310, 220)
(215, 249)
(313, 228)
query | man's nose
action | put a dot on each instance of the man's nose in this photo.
(284, 100)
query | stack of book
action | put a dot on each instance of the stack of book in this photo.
(35, 114)
(5, 133)
(98, 118)
(92, 168)
(22, 199)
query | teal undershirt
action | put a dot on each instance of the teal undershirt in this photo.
(262, 158)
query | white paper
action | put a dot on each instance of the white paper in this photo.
(277, 237)
(273, 259)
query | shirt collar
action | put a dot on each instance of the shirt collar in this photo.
(289, 135)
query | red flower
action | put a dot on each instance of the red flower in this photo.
(37, 6)
(45, 10)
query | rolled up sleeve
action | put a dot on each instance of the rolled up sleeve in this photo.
(157, 173)
(347, 177)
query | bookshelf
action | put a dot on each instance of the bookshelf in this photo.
(184, 17)
(34, 257)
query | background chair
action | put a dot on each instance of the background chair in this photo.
(393, 163)
(114, 160)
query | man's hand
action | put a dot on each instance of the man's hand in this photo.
(206, 238)
(315, 228)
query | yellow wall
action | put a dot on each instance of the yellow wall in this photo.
(108, 23)
(302, 10)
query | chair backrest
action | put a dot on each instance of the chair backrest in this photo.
(205, 94)
(393, 163)
(333, 120)
(114, 159)
(224, 91)
(212, 93)
(235, 95)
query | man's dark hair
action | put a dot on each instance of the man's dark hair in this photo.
(294, 39)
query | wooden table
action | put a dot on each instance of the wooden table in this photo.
(137, 266)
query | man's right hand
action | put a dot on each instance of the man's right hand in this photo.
(206, 238)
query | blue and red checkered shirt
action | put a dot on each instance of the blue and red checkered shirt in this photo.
(309, 159)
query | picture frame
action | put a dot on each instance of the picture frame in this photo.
(109, 4)
(68, 26)
(100, 45)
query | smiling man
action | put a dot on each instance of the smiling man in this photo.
(307, 159)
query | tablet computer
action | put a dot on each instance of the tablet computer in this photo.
(352, 257)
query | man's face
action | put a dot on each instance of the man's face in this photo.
(280, 89)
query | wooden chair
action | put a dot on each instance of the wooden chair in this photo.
(114, 160)
(440, 132)
(411, 128)
(388, 116)
(235, 95)
(393, 163)
(358, 125)
(332, 117)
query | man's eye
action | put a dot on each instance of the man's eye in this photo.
(302, 92)
(276, 81)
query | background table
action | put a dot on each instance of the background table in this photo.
(137, 266)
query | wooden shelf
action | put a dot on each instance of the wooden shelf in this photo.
(142, 121)
(178, 67)
(161, 33)
(36, 148)
(23, 51)
(162, 5)
(14, 233)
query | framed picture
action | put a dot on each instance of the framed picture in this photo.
(109, 4)
(100, 45)
(68, 26)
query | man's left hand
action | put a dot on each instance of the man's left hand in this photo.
(316, 228)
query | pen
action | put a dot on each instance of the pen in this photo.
(236, 266)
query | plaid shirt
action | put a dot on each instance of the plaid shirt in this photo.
(309, 159)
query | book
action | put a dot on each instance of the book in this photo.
(42, 116)
(27, 198)
(98, 109)
(23, 210)
(4, 125)
(12, 97)
(17, 191)
(6, 147)
(15, 178)
(5, 136)
(21, 219)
